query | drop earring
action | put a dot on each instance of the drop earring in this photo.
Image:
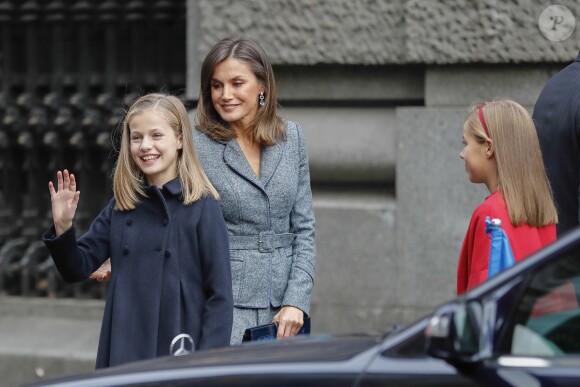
(262, 103)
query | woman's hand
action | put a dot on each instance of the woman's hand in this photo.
(290, 320)
(64, 201)
(103, 273)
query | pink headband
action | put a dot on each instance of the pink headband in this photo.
(482, 119)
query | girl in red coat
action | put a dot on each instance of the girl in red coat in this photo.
(501, 150)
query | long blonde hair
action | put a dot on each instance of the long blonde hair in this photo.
(128, 179)
(267, 127)
(522, 178)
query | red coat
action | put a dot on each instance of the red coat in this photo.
(474, 257)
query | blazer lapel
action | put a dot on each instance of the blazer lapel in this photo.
(269, 161)
(235, 159)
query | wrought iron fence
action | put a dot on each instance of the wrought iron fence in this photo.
(68, 69)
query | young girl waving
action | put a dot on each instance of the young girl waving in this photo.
(165, 234)
(501, 150)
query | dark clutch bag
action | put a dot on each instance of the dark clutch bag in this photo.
(269, 331)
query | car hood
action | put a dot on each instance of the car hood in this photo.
(313, 349)
(321, 348)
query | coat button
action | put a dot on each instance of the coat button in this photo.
(125, 250)
(165, 222)
(129, 222)
(167, 253)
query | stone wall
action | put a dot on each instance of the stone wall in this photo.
(379, 32)
(381, 88)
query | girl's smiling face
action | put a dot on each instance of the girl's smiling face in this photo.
(154, 147)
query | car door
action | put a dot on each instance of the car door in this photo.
(540, 345)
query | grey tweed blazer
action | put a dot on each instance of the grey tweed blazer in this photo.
(270, 219)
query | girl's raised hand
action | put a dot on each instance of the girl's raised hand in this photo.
(64, 201)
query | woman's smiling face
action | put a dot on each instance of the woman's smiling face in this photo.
(235, 93)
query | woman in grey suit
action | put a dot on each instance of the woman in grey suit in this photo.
(258, 163)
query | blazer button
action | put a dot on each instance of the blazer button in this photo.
(125, 250)
(167, 253)
(165, 222)
(129, 222)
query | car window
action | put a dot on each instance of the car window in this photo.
(467, 320)
(547, 319)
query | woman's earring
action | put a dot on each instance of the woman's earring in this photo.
(262, 102)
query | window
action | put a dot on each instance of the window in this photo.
(548, 317)
(467, 320)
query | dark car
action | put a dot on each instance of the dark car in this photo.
(521, 328)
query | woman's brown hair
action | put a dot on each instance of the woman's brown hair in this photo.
(267, 127)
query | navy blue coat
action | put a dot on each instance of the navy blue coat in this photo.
(170, 273)
(557, 119)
